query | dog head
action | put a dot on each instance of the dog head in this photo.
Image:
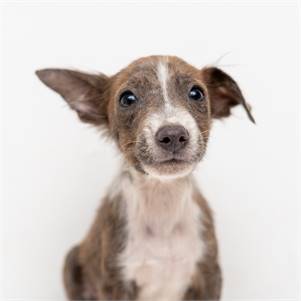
(158, 109)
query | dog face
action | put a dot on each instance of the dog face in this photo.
(158, 109)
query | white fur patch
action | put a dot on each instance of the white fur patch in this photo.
(170, 114)
(162, 73)
(164, 236)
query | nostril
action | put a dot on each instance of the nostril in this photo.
(182, 139)
(165, 140)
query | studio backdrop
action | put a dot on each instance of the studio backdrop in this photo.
(56, 169)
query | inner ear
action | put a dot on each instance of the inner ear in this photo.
(85, 93)
(224, 93)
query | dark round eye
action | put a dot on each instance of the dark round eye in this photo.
(127, 98)
(196, 93)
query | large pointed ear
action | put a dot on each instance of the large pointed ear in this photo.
(87, 94)
(224, 93)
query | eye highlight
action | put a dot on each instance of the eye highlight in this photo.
(196, 93)
(127, 98)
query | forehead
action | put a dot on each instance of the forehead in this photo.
(148, 71)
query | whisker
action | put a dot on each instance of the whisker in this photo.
(205, 132)
(128, 143)
(135, 141)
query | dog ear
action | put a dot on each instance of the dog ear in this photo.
(224, 93)
(85, 93)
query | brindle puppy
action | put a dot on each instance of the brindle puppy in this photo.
(153, 237)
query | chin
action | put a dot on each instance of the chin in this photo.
(169, 170)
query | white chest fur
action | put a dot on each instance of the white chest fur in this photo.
(164, 237)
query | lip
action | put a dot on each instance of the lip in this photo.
(173, 158)
(171, 161)
(171, 167)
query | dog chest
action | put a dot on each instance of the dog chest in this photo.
(162, 266)
(164, 245)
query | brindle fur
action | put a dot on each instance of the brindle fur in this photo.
(92, 273)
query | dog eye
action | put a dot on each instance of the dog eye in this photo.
(196, 93)
(127, 98)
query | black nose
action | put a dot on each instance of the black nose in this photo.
(172, 137)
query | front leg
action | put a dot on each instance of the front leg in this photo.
(207, 283)
(100, 253)
(118, 291)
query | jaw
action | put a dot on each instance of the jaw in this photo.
(169, 170)
(164, 166)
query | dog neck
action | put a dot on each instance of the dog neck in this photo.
(159, 205)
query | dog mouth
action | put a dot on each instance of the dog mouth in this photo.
(171, 157)
(170, 166)
(163, 159)
(172, 161)
(160, 162)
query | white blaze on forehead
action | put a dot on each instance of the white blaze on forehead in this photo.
(169, 113)
(162, 73)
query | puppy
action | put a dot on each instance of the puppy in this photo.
(153, 237)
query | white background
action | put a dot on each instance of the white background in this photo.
(56, 169)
